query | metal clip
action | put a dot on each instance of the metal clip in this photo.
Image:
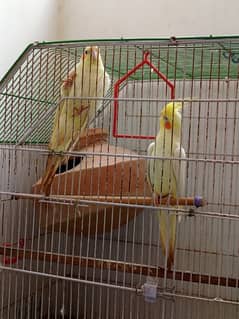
(150, 289)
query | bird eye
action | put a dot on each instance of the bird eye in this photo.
(165, 118)
(86, 52)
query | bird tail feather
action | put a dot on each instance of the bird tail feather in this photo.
(167, 226)
(51, 167)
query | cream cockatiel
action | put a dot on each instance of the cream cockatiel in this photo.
(87, 79)
(167, 177)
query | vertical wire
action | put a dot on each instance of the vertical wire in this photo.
(189, 146)
(15, 162)
(217, 63)
(134, 87)
(117, 242)
(27, 225)
(141, 257)
(124, 243)
(234, 176)
(37, 260)
(97, 211)
(73, 220)
(80, 240)
(134, 254)
(39, 62)
(33, 217)
(110, 249)
(232, 228)
(91, 190)
(98, 191)
(197, 167)
(18, 157)
(125, 256)
(127, 124)
(45, 66)
(190, 58)
(10, 274)
(79, 272)
(64, 212)
(183, 237)
(224, 169)
(156, 129)
(51, 236)
(87, 255)
(148, 243)
(172, 56)
(217, 222)
(70, 211)
(206, 181)
(163, 164)
(179, 173)
(177, 56)
(72, 234)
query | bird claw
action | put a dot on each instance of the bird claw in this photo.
(78, 111)
(157, 199)
(67, 83)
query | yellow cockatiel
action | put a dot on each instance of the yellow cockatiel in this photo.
(87, 79)
(167, 176)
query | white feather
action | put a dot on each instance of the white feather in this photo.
(179, 167)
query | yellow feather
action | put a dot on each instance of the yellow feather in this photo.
(163, 175)
(88, 79)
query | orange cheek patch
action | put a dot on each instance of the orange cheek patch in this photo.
(167, 125)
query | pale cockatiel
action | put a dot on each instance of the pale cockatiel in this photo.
(87, 79)
(167, 177)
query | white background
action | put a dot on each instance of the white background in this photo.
(25, 21)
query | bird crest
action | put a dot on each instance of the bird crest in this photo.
(170, 108)
(170, 116)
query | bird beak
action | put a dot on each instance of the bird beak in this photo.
(94, 53)
(168, 125)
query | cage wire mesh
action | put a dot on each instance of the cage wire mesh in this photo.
(92, 249)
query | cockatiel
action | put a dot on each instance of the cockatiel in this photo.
(167, 177)
(87, 79)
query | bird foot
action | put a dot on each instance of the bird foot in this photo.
(77, 111)
(67, 83)
(157, 199)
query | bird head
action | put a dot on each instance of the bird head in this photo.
(170, 117)
(91, 55)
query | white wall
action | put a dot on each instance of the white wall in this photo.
(23, 22)
(147, 18)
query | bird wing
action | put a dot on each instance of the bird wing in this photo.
(150, 152)
(179, 168)
(53, 143)
(104, 86)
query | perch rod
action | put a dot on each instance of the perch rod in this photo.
(146, 270)
(131, 200)
(140, 200)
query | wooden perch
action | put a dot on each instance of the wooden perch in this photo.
(131, 268)
(89, 214)
(138, 200)
(131, 200)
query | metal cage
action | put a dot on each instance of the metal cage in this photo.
(91, 249)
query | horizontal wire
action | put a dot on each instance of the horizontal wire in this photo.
(83, 281)
(60, 199)
(118, 155)
(121, 266)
